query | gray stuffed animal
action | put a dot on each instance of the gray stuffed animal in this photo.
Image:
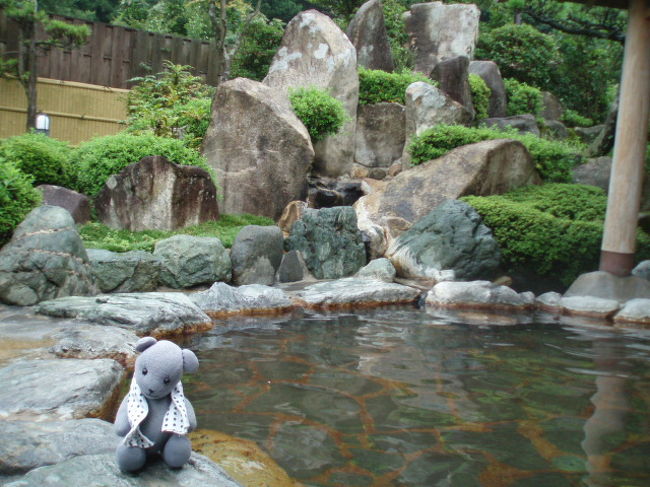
(155, 416)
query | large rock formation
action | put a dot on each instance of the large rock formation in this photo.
(453, 77)
(484, 168)
(367, 31)
(489, 71)
(315, 52)
(256, 255)
(45, 259)
(259, 149)
(439, 31)
(380, 134)
(329, 241)
(76, 203)
(157, 194)
(124, 272)
(451, 237)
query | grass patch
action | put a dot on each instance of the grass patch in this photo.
(99, 236)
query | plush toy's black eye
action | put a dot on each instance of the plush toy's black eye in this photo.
(144, 371)
(166, 380)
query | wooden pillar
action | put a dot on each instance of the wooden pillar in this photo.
(619, 238)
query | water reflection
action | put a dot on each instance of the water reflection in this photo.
(399, 397)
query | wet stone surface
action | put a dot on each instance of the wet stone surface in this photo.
(396, 396)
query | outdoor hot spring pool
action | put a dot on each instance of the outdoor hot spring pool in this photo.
(396, 397)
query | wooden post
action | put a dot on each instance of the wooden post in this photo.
(619, 238)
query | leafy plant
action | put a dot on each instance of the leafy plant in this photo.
(17, 198)
(522, 98)
(44, 158)
(376, 86)
(98, 159)
(260, 42)
(99, 236)
(321, 113)
(574, 119)
(553, 159)
(481, 93)
(554, 229)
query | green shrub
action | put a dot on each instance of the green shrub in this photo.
(98, 159)
(481, 93)
(553, 159)
(321, 113)
(17, 198)
(572, 118)
(554, 230)
(45, 158)
(99, 236)
(521, 52)
(260, 41)
(523, 98)
(376, 86)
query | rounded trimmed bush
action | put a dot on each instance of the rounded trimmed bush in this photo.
(17, 198)
(321, 113)
(43, 157)
(481, 93)
(98, 159)
(376, 86)
(522, 98)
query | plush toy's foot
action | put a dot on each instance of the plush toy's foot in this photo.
(177, 451)
(130, 459)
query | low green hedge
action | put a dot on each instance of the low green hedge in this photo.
(555, 230)
(481, 93)
(17, 198)
(553, 159)
(376, 86)
(322, 114)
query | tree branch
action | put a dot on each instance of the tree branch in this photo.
(584, 28)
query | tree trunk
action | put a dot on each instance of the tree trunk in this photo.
(32, 100)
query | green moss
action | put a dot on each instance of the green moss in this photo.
(376, 86)
(480, 96)
(99, 236)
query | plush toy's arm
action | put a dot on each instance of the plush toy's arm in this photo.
(122, 425)
(191, 416)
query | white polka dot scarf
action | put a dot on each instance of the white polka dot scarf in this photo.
(174, 421)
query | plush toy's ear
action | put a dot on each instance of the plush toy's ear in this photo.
(144, 343)
(190, 362)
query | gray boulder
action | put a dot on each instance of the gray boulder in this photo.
(144, 313)
(478, 295)
(589, 306)
(551, 107)
(451, 237)
(525, 123)
(27, 444)
(292, 268)
(489, 71)
(77, 204)
(192, 261)
(90, 341)
(157, 194)
(427, 106)
(329, 241)
(452, 76)
(380, 134)
(604, 141)
(58, 389)
(588, 134)
(594, 172)
(554, 129)
(642, 270)
(381, 269)
(315, 52)
(124, 272)
(224, 300)
(256, 255)
(439, 31)
(101, 470)
(635, 311)
(44, 259)
(367, 32)
(259, 149)
(601, 284)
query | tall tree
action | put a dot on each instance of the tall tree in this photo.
(22, 63)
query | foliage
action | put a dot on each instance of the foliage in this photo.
(98, 159)
(99, 236)
(376, 86)
(554, 230)
(94, 10)
(522, 98)
(321, 113)
(481, 93)
(284, 10)
(173, 103)
(44, 158)
(17, 198)
(261, 40)
(553, 159)
(397, 37)
(572, 118)
(522, 52)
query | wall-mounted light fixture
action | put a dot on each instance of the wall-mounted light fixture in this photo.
(42, 124)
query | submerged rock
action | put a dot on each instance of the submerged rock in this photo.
(223, 300)
(58, 389)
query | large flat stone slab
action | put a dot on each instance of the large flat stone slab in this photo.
(253, 299)
(27, 444)
(160, 313)
(478, 295)
(58, 389)
(101, 470)
(93, 341)
(355, 292)
(635, 311)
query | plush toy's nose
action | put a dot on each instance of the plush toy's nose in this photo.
(151, 391)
